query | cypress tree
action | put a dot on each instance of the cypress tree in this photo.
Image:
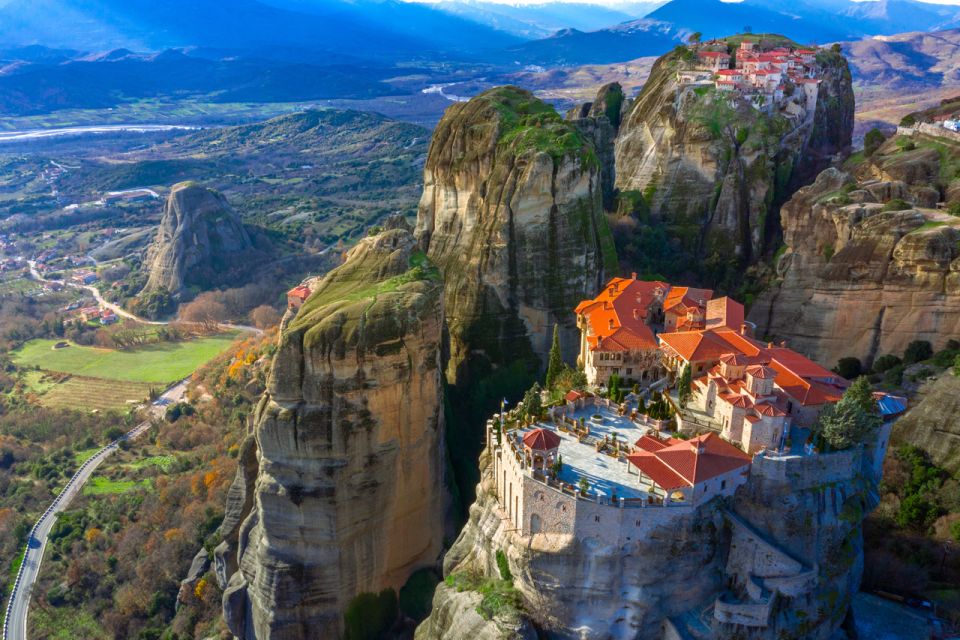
(555, 362)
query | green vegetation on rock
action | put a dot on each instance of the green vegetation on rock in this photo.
(529, 124)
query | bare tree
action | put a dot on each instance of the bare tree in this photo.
(206, 311)
(264, 316)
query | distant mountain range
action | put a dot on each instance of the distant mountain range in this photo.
(391, 31)
(809, 21)
(57, 54)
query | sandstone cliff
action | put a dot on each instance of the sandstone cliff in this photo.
(340, 490)
(599, 121)
(511, 213)
(781, 559)
(868, 266)
(712, 170)
(199, 241)
(933, 423)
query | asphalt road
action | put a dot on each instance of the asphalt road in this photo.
(15, 624)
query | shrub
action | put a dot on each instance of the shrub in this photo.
(917, 351)
(908, 120)
(886, 362)
(503, 566)
(849, 368)
(873, 141)
(897, 204)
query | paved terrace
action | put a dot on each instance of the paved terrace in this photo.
(581, 459)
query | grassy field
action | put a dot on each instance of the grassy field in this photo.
(155, 364)
(99, 486)
(95, 393)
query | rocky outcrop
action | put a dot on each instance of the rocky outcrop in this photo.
(859, 278)
(200, 239)
(345, 493)
(781, 559)
(713, 170)
(933, 423)
(454, 617)
(511, 214)
(599, 121)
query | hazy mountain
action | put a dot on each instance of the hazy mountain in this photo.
(907, 60)
(543, 20)
(108, 79)
(625, 41)
(364, 28)
(811, 21)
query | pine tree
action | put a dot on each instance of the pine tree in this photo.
(555, 362)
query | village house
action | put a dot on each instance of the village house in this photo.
(752, 392)
(297, 296)
(84, 276)
(714, 60)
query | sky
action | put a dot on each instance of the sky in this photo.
(615, 3)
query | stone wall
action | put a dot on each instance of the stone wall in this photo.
(929, 129)
(805, 472)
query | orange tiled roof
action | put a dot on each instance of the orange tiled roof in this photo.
(688, 463)
(681, 299)
(797, 376)
(617, 316)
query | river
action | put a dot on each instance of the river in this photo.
(39, 134)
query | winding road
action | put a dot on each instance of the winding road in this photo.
(15, 623)
(120, 311)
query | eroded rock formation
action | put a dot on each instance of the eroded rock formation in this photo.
(869, 266)
(200, 239)
(782, 559)
(341, 488)
(714, 170)
(512, 215)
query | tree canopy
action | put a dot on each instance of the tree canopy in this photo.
(851, 420)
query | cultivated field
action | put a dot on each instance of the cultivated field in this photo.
(95, 393)
(158, 364)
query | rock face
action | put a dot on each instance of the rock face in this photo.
(200, 239)
(341, 488)
(511, 213)
(782, 559)
(599, 121)
(454, 617)
(714, 170)
(933, 423)
(859, 279)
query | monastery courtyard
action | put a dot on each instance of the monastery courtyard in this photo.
(607, 475)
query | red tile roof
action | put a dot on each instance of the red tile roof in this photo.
(799, 377)
(762, 372)
(618, 315)
(573, 396)
(541, 440)
(301, 291)
(681, 299)
(688, 463)
(713, 54)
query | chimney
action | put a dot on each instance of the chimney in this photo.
(769, 345)
(745, 329)
(633, 276)
(636, 314)
(611, 323)
(783, 343)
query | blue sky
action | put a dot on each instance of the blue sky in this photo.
(614, 3)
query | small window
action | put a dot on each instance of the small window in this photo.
(723, 485)
(629, 371)
(596, 518)
(638, 523)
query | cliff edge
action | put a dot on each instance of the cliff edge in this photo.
(341, 490)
